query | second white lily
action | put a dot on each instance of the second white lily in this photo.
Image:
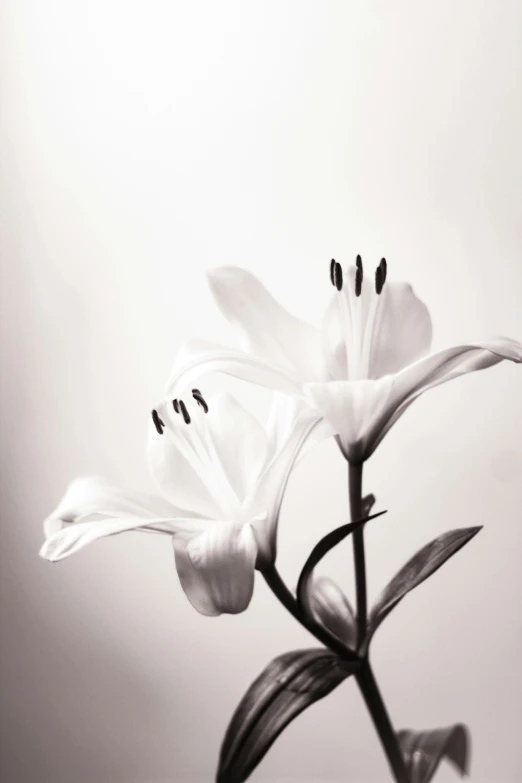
(222, 478)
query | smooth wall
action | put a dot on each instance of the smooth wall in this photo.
(143, 143)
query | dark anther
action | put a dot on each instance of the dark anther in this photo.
(358, 275)
(332, 271)
(158, 423)
(175, 405)
(379, 279)
(184, 412)
(200, 399)
(338, 277)
(384, 267)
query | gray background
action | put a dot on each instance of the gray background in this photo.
(143, 143)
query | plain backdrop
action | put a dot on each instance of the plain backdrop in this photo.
(143, 143)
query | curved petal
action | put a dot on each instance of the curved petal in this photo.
(267, 496)
(331, 607)
(92, 496)
(73, 537)
(439, 368)
(401, 331)
(200, 357)
(268, 330)
(216, 568)
(362, 412)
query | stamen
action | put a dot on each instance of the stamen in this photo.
(384, 267)
(379, 279)
(175, 405)
(338, 277)
(358, 275)
(184, 412)
(332, 271)
(200, 399)
(158, 423)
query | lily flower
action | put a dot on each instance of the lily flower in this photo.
(222, 477)
(361, 370)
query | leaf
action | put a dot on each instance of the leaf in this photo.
(288, 685)
(424, 750)
(318, 552)
(420, 567)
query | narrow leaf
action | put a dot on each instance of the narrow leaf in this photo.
(424, 750)
(288, 685)
(318, 552)
(420, 567)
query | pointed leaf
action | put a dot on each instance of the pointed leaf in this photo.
(318, 552)
(420, 567)
(424, 750)
(288, 685)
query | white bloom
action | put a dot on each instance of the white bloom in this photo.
(222, 477)
(361, 370)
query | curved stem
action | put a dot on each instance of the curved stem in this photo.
(355, 495)
(381, 721)
(283, 594)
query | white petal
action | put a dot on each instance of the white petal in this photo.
(401, 331)
(177, 468)
(362, 412)
(354, 409)
(199, 357)
(90, 496)
(267, 496)
(331, 607)
(441, 367)
(216, 568)
(267, 328)
(73, 537)
(240, 442)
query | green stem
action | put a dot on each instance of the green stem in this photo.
(355, 495)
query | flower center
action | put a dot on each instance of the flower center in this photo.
(180, 408)
(359, 307)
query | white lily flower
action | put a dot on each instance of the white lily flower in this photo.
(361, 370)
(222, 478)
